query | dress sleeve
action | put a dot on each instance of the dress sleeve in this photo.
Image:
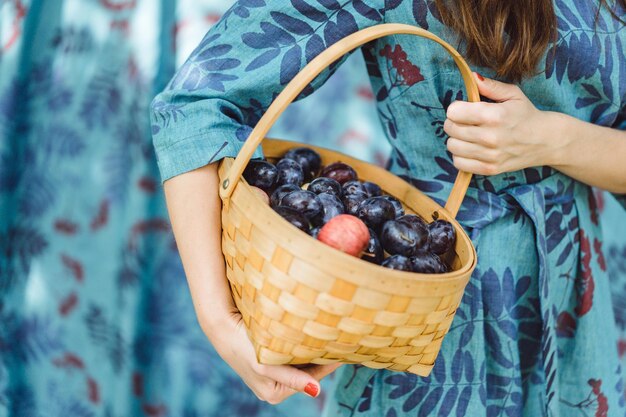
(210, 106)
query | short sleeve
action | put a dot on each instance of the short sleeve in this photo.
(217, 96)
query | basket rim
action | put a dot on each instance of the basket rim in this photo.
(354, 261)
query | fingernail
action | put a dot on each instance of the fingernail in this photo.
(311, 390)
(480, 77)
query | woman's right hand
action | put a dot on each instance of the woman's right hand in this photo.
(195, 212)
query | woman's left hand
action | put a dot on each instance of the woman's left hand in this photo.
(491, 138)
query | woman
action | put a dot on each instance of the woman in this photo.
(535, 333)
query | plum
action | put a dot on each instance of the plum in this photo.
(374, 251)
(331, 207)
(289, 172)
(309, 159)
(396, 203)
(352, 202)
(372, 189)
(442, 236)
(305, 202)
(399, 238)
(346, 233)
(398, 262)
(280, 192)
(427, 263)
(353, 187)
(294, 217)
(375, 211)
(340, 172)
(326, 185)
(261, 174)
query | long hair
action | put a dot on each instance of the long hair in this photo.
(509, 36)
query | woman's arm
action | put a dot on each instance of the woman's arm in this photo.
(512, 134)
(195, 212)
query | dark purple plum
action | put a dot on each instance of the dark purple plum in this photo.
(289, 172)
(400, 238)
(372, 189)
(442, 236)
(326, 185)
(307, 158)
(374, 251)
(427, 263)
(294, 217)
(261, 174)
(413, 220)
(352, 202)
(315, 231)
(280, 192)
(340, 172)
(305, 202)
(331, 207)
(375, 211)
(396, 203)
(398, 262)
(353, 187)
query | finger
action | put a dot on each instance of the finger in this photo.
(461, 148)
(497, 90)
(480, 113)
(474, 166)
(319, 372)
(469, 133)
(293, 378)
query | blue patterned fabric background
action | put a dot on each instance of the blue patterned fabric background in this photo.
(95, 314)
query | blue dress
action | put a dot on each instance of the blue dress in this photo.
(95, 313)
(535, 334)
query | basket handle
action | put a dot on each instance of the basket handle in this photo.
(317, 65)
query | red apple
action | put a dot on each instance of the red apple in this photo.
(261, 194)
(347, 233)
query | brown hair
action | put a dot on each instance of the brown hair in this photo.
(509, 36)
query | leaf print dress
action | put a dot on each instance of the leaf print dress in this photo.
(535, 334)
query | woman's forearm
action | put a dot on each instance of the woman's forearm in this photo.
(195, 208)
(595, 155)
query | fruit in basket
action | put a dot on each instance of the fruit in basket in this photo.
(315, 231)
(396, 203)
(280, 192)
(398, 262)
(372, 189)
(374, 251)
(399, 238)
(305, 202)
(331, 207)
(261, 174)
(294, 217)
(414, 220)
(427, 263)
(309, 159)
(261, 194)
(353, 187)
(375, 211)
(340, 172)
(345, 232)
(442, 236)
(353, 201)
(289, 172)
(326, 185)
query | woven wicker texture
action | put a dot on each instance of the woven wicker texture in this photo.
(305, 302)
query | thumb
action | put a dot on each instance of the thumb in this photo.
(496, 90)
(296, 379)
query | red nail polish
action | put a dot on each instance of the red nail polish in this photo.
(311, 390)
(480, 77)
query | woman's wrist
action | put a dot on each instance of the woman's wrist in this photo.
(558, 127)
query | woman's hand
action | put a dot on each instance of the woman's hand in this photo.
(195, 212)
(491, 138)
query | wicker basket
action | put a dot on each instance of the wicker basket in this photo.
(305, 302)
